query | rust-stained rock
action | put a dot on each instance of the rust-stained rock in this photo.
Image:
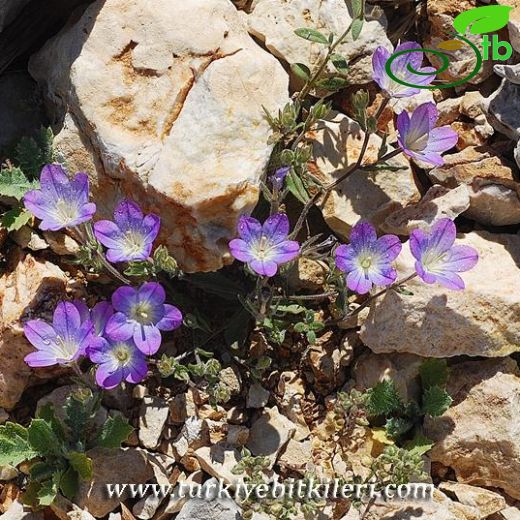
(31, 290)
(165, 99)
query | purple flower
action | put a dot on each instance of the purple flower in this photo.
(437, 259)
(278, 177)
(367, 260)
(118, 361)
(141, 314)
(401, 69)
(131, 236)
(60, 343)
(264, 247)
(60, 202)
(99, 314)
(420, 140)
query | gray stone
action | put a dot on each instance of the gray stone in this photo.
(153, 415)
(257, 396)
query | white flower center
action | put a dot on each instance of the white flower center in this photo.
(142, 313)
(121, 354)
(262, 248)
(432, 259)
(65, 212)
(417, 143)
(133, 242)
(67, 348)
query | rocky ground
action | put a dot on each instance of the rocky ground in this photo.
(161, 101)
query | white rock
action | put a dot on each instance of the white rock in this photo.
(297, 456)
(439, 202)
(219, 461)
(292, 389)
(215, 509)
(153, 415)
(30, 291)
(18, 511)
(274, 22)
(369, 196)
(477, 436)
(269, 434)
(436, 322)
(510, 513)
(485, 501)
(504, 109)
(169, 96)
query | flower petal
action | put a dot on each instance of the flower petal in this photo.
(124, 298)
(147, 339)
(442, 139)
(276, 228)
(362, 236)
(100, 315)
(285, 251)
(264, 267)
(41, 358)
(126, 213)
(358, 282)
(442, 235)
(460, 259)
(138, 369)
(39, 333)
(172, 318)
(119, 327)
(66, 320)
(390, 246)
(241, 250)
(249, 228)
(379, 59)
(108, 379)
(345, 256)
(151, 292)
(108, 233)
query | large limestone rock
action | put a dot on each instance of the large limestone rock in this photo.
(481, 320)
(369, 196)
(274, 22)
(31, 290)
(478, 435)
(168, 97)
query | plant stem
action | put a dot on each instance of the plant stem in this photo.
(310, 84)
(90, 238)
(304, 297)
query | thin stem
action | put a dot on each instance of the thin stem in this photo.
(309, 297)
(310, 84)
(106, 264)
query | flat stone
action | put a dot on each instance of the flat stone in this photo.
(477, 435)
(112, 466)
(438, 202)
(437, 322)
(274, 22)
(154, 413)
(269, 434)
(167, 101)
(219, 461)
(494, 192)
(297, 456)
(257, 397)
(504, 109)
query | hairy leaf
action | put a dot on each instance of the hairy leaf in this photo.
(15, 218)
(69, 483)
(14, 445)
(340, 63)
(32, 153)
(115, 431)
(419, 444)
(42, 437)
(296, 187)
(357, 27)
(14, 183)
(436, 401)
(302, 71)
(384, 399)
(312, 35)
(397, 426)
(48, 491)
(81, 464)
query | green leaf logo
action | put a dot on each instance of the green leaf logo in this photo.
(482, 20)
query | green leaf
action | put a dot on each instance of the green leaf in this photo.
(335, 83)
(81, 464)
(340, 63)
(357, 8)
(481, 20)
(296, 187)
(398, 426)
(434, 372)
(419, 444)
(312, 35)
(302, 71)
(69, 483)
(79, 412)
(13, 183)
(436, 401)
(14, 445)
(163, 261)
(46, 413)
(357, 26)
(15, 218)
(383, 399)
(115, 431)
(48, 491)
(42, 437)
(41, 471)
(32, 153)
